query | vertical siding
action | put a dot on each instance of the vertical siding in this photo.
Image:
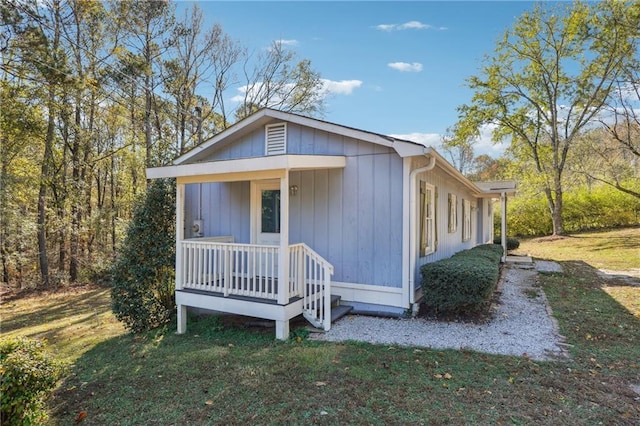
(350, 216)
(225, 209)
(251, 145)
(353, 216)
(448, 243)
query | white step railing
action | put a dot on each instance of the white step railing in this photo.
(310, 276)
(229, 268)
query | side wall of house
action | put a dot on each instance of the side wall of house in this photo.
(448, 243)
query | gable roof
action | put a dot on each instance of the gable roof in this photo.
(404, 148)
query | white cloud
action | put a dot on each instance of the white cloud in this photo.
(386, 27)
(410, 25)
(406, 66)
(284, 42)
(413, 25)
(427, 139)
(342, 87)
(484, 144)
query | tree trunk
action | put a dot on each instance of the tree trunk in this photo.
(45, 172)
(4, 224)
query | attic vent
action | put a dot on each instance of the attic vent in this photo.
(276, 139)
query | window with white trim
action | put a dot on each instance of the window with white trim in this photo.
(427, 219)
(276, 139)
(453, 212)
(466, 220)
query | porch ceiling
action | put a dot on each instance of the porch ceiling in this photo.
(241, 169)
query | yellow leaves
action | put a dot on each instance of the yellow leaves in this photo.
(445, 376)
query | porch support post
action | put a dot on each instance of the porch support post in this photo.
(179, 232)
(182, 309)
(503, 223)
(182, 319)
(283, 259)
(282, 329)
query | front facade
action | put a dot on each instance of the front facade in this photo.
(280, 212)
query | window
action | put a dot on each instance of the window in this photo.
(466, 220)
(271, 211)
(453, 212)
(427, 219)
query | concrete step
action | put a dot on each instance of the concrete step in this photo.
(338, 312)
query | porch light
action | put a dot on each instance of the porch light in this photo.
(293, 190)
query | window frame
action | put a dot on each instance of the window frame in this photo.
(427, 219)
(452, 213)
(466, 220)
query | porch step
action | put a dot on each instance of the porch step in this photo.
(338, 312)
(335, 300)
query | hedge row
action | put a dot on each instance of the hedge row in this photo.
(463, 283)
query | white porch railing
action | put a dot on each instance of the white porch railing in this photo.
(207, 264)
(229, 268)
(310, 275)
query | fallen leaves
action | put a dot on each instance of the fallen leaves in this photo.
(81, 416)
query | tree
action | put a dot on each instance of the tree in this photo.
(143, 275)
(275, 83)
(547, 82)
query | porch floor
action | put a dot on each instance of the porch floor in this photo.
(235, 296)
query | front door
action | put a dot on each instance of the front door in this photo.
(265, 212)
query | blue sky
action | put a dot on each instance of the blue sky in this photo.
(395, 68)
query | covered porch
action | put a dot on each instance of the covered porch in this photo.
(260, 274)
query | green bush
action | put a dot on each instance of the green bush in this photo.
(512, 243)
(463, 283)
(29, 374)
(142, 293)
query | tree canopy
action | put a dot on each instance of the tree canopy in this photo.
(548, 82)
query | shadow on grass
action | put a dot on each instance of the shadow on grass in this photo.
(72, 305)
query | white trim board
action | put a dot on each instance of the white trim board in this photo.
(367, 293)
(244, 165)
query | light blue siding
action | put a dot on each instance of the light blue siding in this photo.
(300, 141)
(225, 209)
(353, 216)
(449, 243)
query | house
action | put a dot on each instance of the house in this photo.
(280, 213)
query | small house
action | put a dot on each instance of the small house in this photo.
(282, 215)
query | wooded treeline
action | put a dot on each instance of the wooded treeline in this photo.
(93, 92)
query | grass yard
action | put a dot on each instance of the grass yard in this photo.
(617, 250)
(220, 374)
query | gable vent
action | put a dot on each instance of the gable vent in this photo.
(276, 139)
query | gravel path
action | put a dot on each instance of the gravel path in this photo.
(521, 325)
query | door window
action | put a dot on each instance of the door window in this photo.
(271, 211)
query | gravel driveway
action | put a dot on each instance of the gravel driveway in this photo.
(521, 325)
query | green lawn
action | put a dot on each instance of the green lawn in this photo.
(617, 250)
(220, 374)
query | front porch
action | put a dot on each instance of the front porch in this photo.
(246, 279)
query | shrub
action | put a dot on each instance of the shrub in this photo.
(29, 374)
(142, 293)
(463, 283)
(512, 243)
